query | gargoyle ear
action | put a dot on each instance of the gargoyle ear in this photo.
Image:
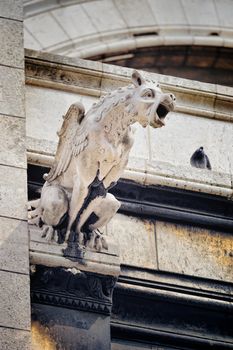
(137, 79)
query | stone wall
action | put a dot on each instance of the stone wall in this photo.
(174, 227)
(159, 156)
(15, 320)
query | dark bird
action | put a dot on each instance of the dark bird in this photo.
(200, 160)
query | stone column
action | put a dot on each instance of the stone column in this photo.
(15, 317)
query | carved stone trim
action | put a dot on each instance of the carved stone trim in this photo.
(71, 288)
(190, 318)
(92, 79)
(164, 203)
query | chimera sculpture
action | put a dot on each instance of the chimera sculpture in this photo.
(91, 156)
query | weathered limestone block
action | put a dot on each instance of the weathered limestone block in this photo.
(12, 146)
(13, 194)
(14, 254)
(13, 339)
(136, 240)
(194, 251)
(11, 9)
(11, 91)
(15, 300)
(15, 320)
(11, 38)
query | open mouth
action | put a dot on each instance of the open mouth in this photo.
(162, 111)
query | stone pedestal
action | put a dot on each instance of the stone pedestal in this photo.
(71, 300)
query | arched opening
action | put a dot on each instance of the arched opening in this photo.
(203, 63)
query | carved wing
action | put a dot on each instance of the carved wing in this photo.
(72, 140)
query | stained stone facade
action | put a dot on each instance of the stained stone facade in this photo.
(174, 227)
(166, 280)
(15, 319)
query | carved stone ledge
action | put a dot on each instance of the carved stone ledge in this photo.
(72, 300)
(50, 254)
(73, 289)
(49, 70)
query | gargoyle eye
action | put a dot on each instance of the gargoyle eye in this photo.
(148, 93)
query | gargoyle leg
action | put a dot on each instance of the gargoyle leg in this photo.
(105, 211)
(79, 194)
(34, 203)
(88, 211)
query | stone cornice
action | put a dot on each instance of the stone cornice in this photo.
(173, 314)
(94, 79)
(73, 289)
(105, 262)
(158, 202)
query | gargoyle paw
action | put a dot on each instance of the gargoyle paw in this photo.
(49, 234)
(97, 241)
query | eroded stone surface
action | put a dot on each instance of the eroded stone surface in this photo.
(11, 91)
(12, 146)
(15, 300)
(136, 240)
(11, 38)
(194, 251)
(14, 245)
(12, 339)
(11, 9)
(13, 194)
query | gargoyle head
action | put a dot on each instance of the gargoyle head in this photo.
(151, 104)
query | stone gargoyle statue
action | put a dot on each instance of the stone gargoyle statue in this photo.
(91, 156)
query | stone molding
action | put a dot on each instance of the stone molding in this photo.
(164, 203)
(42, 253)
(72, 288)
(173, 314)
(95, 79)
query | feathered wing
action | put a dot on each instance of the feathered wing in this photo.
(72, 141)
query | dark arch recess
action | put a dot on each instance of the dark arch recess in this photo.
(204, 63)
